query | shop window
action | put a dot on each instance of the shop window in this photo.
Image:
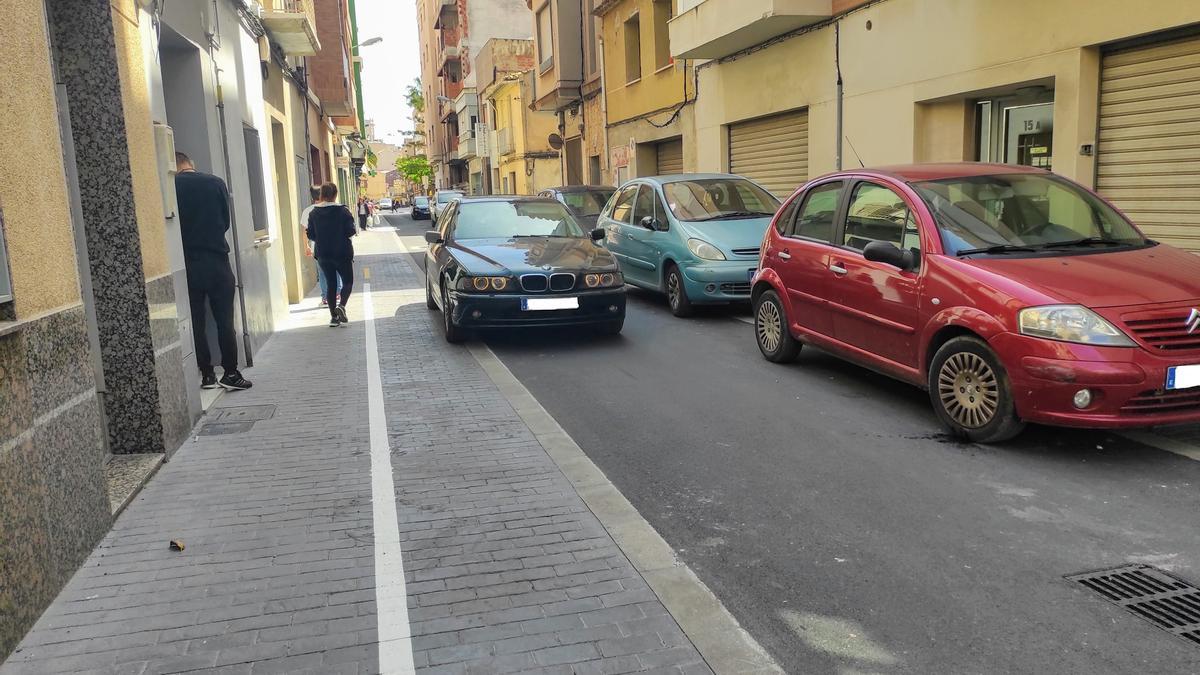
(662, 38)
(633, 49)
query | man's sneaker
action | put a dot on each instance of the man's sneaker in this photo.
(208, 381)
(234, 381)
(334, 320)
(341, 315)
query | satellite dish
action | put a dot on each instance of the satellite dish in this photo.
(555, 141)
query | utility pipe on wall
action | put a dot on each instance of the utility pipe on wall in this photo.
(837, 61)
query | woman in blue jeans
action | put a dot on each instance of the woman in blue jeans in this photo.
(330, 227)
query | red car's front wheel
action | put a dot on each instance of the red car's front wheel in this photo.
(971, 393)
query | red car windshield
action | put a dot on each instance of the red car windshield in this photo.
(1022, 213)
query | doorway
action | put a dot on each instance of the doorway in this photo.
(1017, 128)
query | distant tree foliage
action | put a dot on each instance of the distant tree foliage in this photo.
(415, 169)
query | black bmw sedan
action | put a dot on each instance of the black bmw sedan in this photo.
(496, 262)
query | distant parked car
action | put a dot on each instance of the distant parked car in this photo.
(584, 201)
(1012, 295)
(693, 236)
(499, 262)
(440, 199)
(420, 208)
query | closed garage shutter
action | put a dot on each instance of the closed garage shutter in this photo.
(772, 151)
(670, 157)
(1149, 141)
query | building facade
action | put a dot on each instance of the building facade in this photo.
(648, 94)
(568, 82)
(518, 150)
(1106, 97)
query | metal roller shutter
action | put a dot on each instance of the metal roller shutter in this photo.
(772, 151)
(1149, 142)
(670, 157)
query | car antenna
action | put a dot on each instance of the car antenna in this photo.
(860, 162)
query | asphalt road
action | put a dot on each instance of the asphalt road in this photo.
(824, 506)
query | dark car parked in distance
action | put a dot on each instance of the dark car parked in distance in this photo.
(497, 262)
(420, 208)
(584, 201)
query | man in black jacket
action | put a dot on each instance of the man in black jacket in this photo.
(203, 203)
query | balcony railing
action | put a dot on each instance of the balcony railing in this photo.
(466, 147)
(293, 26)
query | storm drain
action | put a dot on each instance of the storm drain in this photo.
(222, 428)
(243, 413)
(1169, 603)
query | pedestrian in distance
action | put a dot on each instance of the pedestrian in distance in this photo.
(364, 212)
(323, 282)
(203, 203)
(330, 227)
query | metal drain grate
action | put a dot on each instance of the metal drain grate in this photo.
(244, 413)
(1169, 603)
(222, 428)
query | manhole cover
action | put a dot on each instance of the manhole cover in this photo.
(1150, 593)
(245, 413)
(219, 428)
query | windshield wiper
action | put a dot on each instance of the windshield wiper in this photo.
(998, 248)
(1086, 241)
(734, 214)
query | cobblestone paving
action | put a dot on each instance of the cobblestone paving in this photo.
(507, 569)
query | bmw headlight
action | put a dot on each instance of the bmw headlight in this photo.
(704, 250)
(483, 284)
(1071, 323)
(603, 279)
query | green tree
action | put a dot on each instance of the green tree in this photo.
(415, 169)
(414, 97)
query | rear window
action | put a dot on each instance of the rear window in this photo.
(587, 203)
(505, 220)
(421, 201)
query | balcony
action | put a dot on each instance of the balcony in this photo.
(293, 26)
(451, 55)
(466, 147)
(504, 142)
(711, 29)
(447, 10)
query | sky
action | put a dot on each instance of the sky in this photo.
(389, 66)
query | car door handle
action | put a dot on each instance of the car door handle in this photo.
(837, 269)
(784, 255)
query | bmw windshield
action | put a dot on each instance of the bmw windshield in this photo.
(508, 220)
(1023, 213)
(718, 199)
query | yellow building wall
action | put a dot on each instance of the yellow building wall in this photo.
(907, 76)
(530, 132)
(139, 132)
(33, 188)
(658, 88)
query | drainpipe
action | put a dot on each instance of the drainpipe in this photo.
(837, 61)
(604, 107)
(237, 249)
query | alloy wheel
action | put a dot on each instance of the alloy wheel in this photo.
(673, 289)
(769, 326)
(968, 390)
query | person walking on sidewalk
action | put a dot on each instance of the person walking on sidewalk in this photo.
(330, 227)
(364, 213)
(322, 281)
(203, 202)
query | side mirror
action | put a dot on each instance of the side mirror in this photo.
(888, 253)
(433, 237)
(598, 234)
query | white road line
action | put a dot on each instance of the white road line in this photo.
(391, 596)
(1164, 443)
(745, 319)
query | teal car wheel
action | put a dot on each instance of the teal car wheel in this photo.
(677, 296)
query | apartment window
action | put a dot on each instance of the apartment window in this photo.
(258, 191)
(592, 66)
(512, 182)
(545, 38)
(633, 48)
(594, 170)
(662, 38)
(505, 188)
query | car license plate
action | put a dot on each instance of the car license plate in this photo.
(1183, 377)
(535, 304)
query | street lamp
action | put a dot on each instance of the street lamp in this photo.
(368, 42)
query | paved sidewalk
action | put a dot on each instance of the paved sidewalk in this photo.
(506, 568)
